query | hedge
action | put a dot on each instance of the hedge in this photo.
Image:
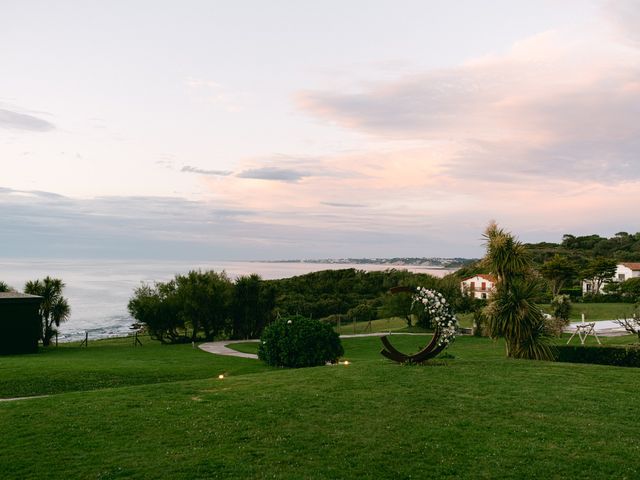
(619, 356)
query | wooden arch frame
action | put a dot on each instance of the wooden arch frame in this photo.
(428, 352)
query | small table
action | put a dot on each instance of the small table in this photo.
(583, 330)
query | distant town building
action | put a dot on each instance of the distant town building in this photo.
(624, 271)
(480, 286)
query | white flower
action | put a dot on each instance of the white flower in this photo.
(436, 305)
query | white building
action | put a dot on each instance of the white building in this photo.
(480, 285)
(624, 271)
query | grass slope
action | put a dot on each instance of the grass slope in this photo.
(110, 363)
(478, 415)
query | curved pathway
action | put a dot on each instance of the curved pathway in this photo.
(220, 348)
(21, 398)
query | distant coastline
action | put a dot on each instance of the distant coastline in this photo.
(426, 262)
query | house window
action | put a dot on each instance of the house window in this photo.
(621, 277)
(484, 285)
(484, 295)
(473, 286)
(588, 285)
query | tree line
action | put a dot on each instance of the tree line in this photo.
(204, 305)
(563, 266)
(622, 247)
(208, 305)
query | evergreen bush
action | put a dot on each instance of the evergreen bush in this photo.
(298, 341)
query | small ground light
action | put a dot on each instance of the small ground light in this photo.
(346, 362)
(221, 376)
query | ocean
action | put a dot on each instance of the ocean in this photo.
(99, 290)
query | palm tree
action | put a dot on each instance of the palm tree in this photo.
(512, 313)
(54, 308)
(506, 257)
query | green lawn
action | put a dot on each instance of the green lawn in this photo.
(381, 325)
(111, 363)
(597, 311)
(477, 415)
(393, 324)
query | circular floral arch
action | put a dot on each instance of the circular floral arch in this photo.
(441, 313)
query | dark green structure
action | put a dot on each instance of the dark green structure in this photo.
(19, 323)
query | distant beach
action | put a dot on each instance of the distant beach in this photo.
(98, 290)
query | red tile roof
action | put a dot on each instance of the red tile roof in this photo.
(486, 276)
(632, 265)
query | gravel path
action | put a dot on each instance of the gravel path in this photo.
(220, 348)
(21, 398)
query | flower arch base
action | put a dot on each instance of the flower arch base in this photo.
(446, 326)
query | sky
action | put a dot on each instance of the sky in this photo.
(252, 130)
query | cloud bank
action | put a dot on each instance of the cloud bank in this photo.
(23, 121)
(273, 173)
(544, 138)
(38, 224)
(202, 171)
(562, 104)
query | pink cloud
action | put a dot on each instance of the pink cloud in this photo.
(624, 16)
(558, 104)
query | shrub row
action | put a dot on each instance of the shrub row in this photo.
(619, 356)
(607, 298)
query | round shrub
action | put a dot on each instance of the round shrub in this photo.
(299, 342)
